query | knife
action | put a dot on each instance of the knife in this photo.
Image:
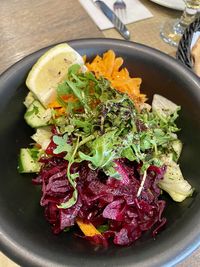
(121, 28)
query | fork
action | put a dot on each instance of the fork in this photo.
(119, 7)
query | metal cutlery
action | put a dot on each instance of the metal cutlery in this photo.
(119, 7)
(120, 27)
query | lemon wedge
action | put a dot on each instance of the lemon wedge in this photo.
(51, 69)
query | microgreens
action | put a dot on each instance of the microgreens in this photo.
(102, 125)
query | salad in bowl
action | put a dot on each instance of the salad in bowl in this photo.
(101, 154)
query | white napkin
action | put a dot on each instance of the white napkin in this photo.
(134, 11)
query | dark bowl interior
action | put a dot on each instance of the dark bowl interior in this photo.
(25, 235)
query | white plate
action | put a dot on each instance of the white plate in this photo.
(174, 4)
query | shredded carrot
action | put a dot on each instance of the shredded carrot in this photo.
(36, 145)
(60, 111)
(58, 108)
(70, 98)
(87, 228)
(109, 66)
(54, 104)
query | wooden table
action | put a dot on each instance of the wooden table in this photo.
(27, 26)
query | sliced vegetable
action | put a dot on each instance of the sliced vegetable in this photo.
(177, 147)
(43, 136)
(37, 116)
(87, 228)
(163, 106)
(28, 160)
(173, 181)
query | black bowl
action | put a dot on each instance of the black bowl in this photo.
(25, 235)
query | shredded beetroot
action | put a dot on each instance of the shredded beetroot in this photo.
(103, 200)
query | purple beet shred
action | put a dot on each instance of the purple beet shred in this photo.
(103, 200)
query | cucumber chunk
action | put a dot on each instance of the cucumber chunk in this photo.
(37, 116)
(28, 160)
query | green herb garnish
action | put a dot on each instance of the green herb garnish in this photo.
(103, 125)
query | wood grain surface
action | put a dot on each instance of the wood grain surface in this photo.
(26, 26)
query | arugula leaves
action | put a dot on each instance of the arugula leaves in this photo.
(62, 145)
(102, 150)
(101, 125)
